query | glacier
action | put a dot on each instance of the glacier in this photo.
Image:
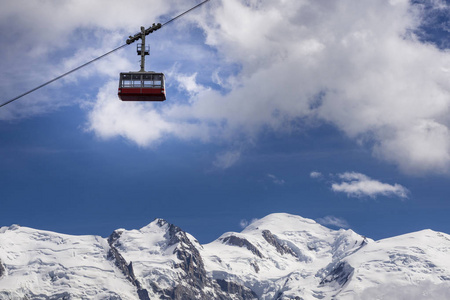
(280, 256)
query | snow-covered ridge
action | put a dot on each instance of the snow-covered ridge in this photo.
(281, 256)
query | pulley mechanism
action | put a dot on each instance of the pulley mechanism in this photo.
(154, 27)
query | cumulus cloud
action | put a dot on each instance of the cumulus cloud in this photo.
(111, 119)
(40, 19)
(189, 83)
(357, 65)
(333, 221)
(426, 141)
(359, 185)
(394, 96)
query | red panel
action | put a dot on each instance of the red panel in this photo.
(141, 94)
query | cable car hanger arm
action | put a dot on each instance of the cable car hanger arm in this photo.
(154, 27)
(137, 36)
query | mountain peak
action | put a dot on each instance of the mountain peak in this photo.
(280, 256)
(283, 222)
(12, 227)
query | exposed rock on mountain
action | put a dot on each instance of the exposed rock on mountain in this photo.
(339, 274)
(126, 268)
(240, 242)
(185, 276)
(2, 269)
(281, 248)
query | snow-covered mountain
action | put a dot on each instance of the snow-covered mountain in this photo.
(280, 256)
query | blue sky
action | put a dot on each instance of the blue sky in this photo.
(333, 110)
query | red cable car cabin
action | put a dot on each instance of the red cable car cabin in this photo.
(142, 86)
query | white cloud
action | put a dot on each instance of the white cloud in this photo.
(244, 222)
(378, 94)
(189, 83)
(48, 23)
(426, 141)
(226, 159)
(359, 185)
(315, 174)
(376, 82)
(333, 221)
(276, 180)
(110, 118)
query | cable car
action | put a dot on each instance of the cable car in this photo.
(142, 86)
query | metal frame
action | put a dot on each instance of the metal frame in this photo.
(141, 80)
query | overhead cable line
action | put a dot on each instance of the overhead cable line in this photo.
(184, 13)
(61, 76)
(129, 41)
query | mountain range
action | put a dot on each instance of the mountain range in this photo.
(280, 256)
